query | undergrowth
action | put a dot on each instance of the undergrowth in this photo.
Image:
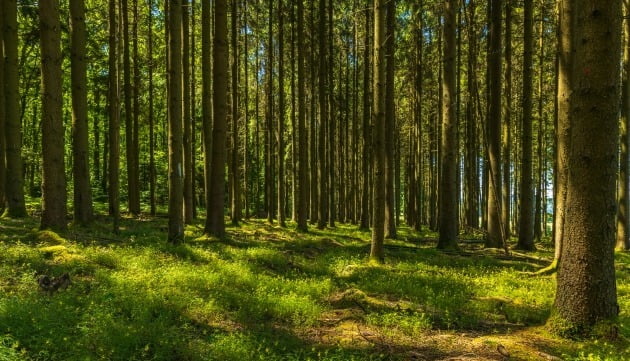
(266, 293)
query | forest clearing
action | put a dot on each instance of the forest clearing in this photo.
(314, 180)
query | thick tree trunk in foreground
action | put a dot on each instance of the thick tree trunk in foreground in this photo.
(53, 177)
(586, 291)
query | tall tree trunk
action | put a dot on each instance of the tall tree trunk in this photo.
(215, 224)
(564, 88)
(80, 151)
(13, 130)
(135, 146)
(132, 185)
(206, 99)
(623, 217)
(234, 165)
(175, 137)
(496, 236)
(586, 291)
(449, 206)
(507, 126)
(323, 116)
(152, 171)
(390, 122)
(114, 120)
(367, 134)
(187, 114)
(302, 145)
(269, 133)
(378, 204)
(526, 224)
(281, 116)
(3, 169)
(53, 177)
(246, 170)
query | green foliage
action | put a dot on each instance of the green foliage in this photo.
(263, 293)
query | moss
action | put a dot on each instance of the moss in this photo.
(602, 329)
(47, 237)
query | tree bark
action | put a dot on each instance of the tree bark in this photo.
(114, 120)
(495, 237)
(322, 218)
(80, 151)
(187, 114)
(13, 130)
(281, 116)
(623, 217)
(53, 176)
(234, 166)
(367, 134)
(449, 207)
(302, 208)
(390, 122)
(378, 203)
(175, 137)
(586, 290)
(206, 99)
(215, 224)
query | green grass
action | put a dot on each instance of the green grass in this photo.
(266, 293)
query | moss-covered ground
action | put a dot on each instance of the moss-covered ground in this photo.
(266, 293)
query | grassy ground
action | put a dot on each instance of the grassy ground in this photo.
(267, 293)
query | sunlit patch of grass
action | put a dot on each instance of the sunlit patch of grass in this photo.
(258, 292)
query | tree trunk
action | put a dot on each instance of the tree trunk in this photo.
(187, 114)
(215, 224)
(449, 207)
(114, 120)
(175, 137)
(390, 122)
(80, 152)
(3, 169)
(586, 290)
(526, 224)
(206, 99)
(152, 171)
(13, 130)
(507, 126)
(302, 145)
(623, 217)
(378, 204)
(323, 117)
(496, 236)
(281, 116)
(367, 134)
(53, 177)
(234, 166)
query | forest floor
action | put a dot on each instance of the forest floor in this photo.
(267, 293)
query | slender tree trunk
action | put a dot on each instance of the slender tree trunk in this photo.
(80, 149)
(623, 217)
(53, 177)
(175, 137)
(206, 102)
(234, 166)
(269, 133)
(135, 146)
(526, 224)
(496, 236)
(152, 171)
(507, 126)
(215, 224)
(367, 134)
(586, 300)
(3, 169)
(323, 117)
(187, 115)
(449, 207)
(378, 204)
(13, 130)
(281, 116)
(246, 169)
(390, 123)
(114, 120)
(302, 208)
